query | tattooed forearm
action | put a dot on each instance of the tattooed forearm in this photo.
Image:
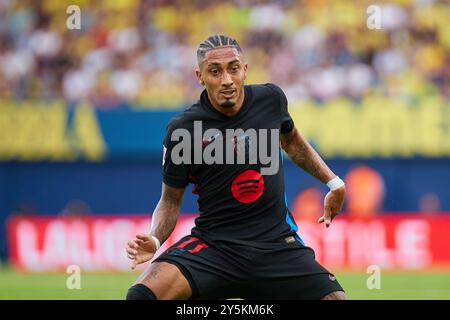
(303, 154)
(165, 217)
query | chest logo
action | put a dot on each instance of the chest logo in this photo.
(248, 186)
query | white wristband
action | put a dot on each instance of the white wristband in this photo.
(157, 243)
(335, 183)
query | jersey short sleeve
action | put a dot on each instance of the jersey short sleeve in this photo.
(287, 124)
(174, 174)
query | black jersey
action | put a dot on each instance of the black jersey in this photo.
(236, 202)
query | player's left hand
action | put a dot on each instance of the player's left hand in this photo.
(333, 203)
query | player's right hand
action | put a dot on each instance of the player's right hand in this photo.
(141, 249)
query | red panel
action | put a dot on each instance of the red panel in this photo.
(98, 242)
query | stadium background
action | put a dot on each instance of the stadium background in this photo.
(83, 114)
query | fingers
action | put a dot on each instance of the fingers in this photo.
(332, 206)
(327, 217)
(142, 237)
(134, 261)
(133, 244)
(324, 219)
(133, 247)
(131, 251)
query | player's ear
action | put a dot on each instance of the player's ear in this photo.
(199, 77)
(245, 70)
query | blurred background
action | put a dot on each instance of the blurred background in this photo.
(83, 113)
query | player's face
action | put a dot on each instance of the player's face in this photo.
(223, 72)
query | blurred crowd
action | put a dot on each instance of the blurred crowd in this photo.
(142, 53)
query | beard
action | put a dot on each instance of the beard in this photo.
(228, 104)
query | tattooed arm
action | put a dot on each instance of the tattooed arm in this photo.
(164, 219)
(303, 154)
(166, 213)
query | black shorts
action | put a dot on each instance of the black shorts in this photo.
(282, 270)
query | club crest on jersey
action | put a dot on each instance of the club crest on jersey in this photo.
(235, 140)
